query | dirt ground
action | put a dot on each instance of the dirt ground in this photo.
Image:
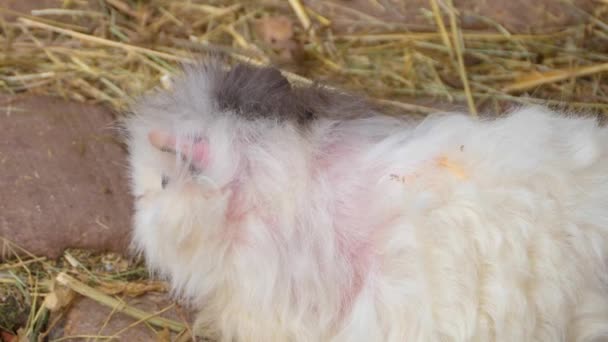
(62, 181)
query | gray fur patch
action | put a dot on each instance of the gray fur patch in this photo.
(263, 92)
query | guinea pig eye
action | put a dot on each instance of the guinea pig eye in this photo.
(193, 169)
(164, 181)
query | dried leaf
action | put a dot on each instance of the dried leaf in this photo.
(275, 30)
(163, 335)
(59, 297)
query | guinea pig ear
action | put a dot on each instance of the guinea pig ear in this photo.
(194, 150)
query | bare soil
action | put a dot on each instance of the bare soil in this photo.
(63, 177)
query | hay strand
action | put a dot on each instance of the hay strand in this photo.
(458, 46)
(101, 41)
(298, 8)
(553, 76)
(98, 296)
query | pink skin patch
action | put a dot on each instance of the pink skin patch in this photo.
(349, 214)
(358, 254)
(197, 151)
(237, 206)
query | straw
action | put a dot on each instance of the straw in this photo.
(114, 51)
(117, 305)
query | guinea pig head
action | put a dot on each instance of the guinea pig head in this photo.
(184, 156)
(179, 207)
(194, 149)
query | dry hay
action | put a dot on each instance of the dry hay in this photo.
(109, 51)
(36, 293)
(114, 49)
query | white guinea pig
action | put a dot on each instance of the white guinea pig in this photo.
(288, 213)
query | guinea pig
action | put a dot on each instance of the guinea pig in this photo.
(297, 213)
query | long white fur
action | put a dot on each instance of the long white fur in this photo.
(331, 247)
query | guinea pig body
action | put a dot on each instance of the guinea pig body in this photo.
(308, 226)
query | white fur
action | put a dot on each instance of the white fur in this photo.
(515, 251)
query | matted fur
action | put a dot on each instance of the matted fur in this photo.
(368, 228)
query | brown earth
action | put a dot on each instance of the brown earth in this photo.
(63, 177)
(86, 317)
